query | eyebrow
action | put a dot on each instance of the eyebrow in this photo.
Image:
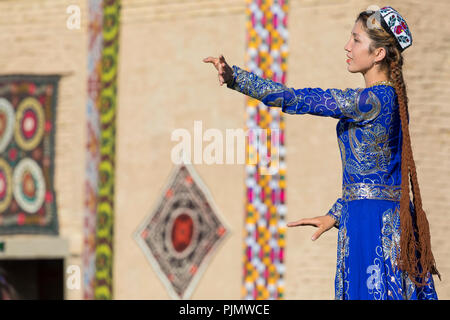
(355, 34)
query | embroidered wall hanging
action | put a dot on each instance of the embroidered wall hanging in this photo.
(27, 141)
(264, 241)
(182, 233)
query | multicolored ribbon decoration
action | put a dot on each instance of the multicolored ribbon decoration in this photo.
(95, 45)
(265, 230)
(104, 98)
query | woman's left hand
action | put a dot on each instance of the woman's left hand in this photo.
(324, 223)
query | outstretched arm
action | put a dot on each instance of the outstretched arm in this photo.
(334, 103)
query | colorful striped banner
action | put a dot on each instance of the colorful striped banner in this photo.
(103, 58)
(265, 232)
(93, 144)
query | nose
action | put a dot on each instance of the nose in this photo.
(346, 47)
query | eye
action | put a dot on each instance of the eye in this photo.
(356, 40)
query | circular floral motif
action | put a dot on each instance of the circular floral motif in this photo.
(29, 185)
(5, 185)
(6, 123)
(30, 124)
(182, 232)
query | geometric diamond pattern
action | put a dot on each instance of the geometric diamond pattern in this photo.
(265, 208)
(181, 234)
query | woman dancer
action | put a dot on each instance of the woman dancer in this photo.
(384, 248)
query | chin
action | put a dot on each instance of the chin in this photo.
(352, 69)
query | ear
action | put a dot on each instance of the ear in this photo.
(380, 53)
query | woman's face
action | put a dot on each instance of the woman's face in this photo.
(359, 59)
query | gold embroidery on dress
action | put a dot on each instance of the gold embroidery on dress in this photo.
(372, 152)
(381, 83)
(391, 235)
(355, 191)
(341, 282)
(342, 148)
(349, 104)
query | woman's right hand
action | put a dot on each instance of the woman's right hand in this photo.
(225, 71)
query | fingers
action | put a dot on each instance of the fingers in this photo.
(309, 222)
(220, 64)
(209, 59)
(221, 79)
(222, 61)
(317, 234)
(317, 222)
(304, 222)
(216, 61)
(221, 67)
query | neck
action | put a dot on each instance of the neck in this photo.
(373, 75)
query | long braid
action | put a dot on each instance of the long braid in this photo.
(416, 257)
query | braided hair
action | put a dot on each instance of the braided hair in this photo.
(415, 258)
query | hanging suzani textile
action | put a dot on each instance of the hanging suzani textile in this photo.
(182, 233)
(265, 233)
(27, 157)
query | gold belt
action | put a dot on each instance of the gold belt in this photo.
(355, 191)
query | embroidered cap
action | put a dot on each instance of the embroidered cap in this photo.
(394, 23)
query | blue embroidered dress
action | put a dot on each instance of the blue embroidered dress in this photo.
(367, 214)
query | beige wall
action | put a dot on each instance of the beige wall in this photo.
(428, 81)
(164, 85)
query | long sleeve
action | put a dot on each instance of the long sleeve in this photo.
(336, 210)
(334, 103)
